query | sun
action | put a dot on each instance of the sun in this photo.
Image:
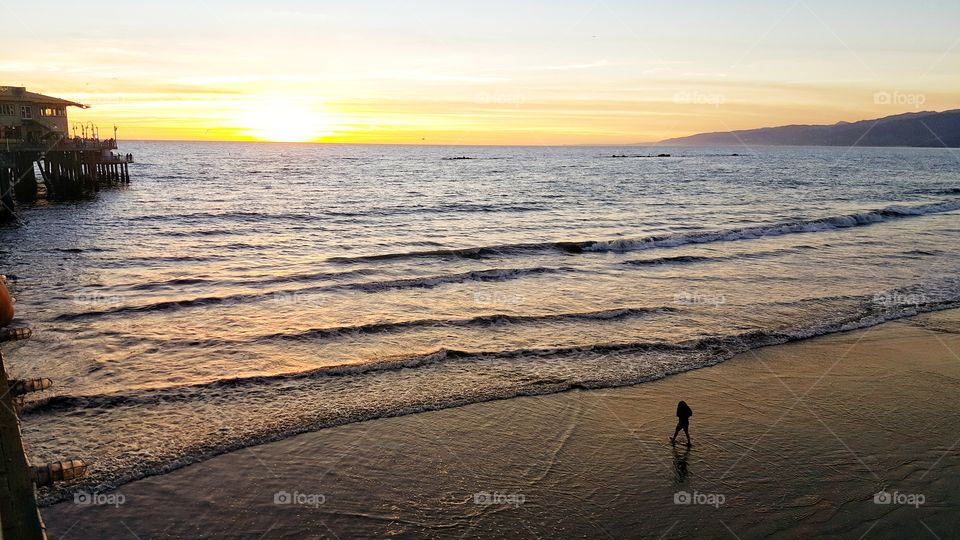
(286, 119)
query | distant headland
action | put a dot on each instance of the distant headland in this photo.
(920, 129)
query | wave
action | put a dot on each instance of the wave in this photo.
(332, 332)
(440, 209)
(294, 296)
(479, 321)
(679, 259)
(601, 365)
(245, 216)
(669, 240)
(689, 259)
(937, 191)
(258, 281)
(728, 345)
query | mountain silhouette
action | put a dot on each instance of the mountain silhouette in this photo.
(922, 129)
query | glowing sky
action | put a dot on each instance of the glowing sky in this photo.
(492, 72)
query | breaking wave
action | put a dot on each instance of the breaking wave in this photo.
(671, 240)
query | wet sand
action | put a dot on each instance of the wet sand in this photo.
(789, 441)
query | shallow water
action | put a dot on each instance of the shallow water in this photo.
(238, 293)
(790, 442)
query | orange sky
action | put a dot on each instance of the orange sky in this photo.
(465, 73)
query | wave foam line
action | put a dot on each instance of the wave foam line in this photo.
(670, 240)
(725, 346)
(479, 321)
(291, 295)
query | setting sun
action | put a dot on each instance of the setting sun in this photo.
(286, 119)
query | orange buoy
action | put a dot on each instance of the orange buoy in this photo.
(6, 303)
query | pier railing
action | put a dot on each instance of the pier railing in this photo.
(63, 145)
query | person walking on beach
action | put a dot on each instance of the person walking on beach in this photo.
(684, 412)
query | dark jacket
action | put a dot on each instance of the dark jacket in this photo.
(684, 411)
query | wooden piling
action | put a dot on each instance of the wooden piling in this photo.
(6, 193)
(25, 179)
(19, 517)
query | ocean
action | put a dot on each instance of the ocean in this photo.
(238, 293)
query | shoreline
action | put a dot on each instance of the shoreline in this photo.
(721, 351)
(420, 474)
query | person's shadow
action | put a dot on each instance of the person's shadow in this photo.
(680, 469)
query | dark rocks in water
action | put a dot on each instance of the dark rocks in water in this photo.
(663, 155)
(456, 158)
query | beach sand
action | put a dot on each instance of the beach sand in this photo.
(789, 441)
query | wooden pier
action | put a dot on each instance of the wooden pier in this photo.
(34, 137)
(72, 168)
(19, 516)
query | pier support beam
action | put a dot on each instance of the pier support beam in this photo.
(19, 517)
(6, 193)
(25, 179)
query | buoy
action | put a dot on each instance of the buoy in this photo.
(6, 303)
(19, 387)
(59, 471)
(13, 333)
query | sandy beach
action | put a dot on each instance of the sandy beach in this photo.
(790, 441)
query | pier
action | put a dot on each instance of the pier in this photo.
(20, 517)
(34, 136)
